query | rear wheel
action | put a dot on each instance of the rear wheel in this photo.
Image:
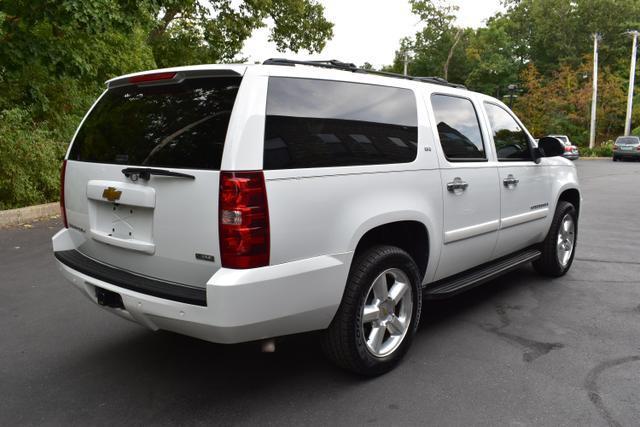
(379, 313)
(558, 249)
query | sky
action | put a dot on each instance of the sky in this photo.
(368, 30)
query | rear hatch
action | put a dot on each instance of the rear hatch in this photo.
(142, 174)
(628, 143)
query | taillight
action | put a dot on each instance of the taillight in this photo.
(568, 148)
(243, 220)
(638, 148)
(63, 211)
(615, 147)
(151, 77)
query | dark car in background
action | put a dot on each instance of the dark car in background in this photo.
(570, 149)
(626, 147)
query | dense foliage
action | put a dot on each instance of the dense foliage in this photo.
(56, 54)
(542, 46)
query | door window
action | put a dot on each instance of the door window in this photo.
(321, 123)
(458, 128)
(512, 142)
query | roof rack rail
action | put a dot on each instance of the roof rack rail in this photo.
(348, 66)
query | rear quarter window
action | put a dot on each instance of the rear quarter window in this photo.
(181, 125)
(320, 123)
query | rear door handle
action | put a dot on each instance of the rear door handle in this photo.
(457, 186)
(510, 182)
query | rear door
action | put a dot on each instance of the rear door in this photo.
(525, 186)
(142, 174)
(471, 196)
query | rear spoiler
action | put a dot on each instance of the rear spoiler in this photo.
(168, 77)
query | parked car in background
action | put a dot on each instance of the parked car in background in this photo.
(570, 149)
(626, 147)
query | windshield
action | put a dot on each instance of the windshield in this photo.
(180, 125)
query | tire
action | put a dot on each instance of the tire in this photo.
(349, 341)
(555, 260)
(615, 159)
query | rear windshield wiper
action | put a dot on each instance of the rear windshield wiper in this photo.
(145, 173)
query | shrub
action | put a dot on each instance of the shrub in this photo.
(30, 156)
(605, 149)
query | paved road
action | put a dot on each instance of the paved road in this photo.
(522, 350)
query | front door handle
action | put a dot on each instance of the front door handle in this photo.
(457, 186)
(510, 182)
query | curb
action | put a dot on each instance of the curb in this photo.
(594, 158)
(28, 214)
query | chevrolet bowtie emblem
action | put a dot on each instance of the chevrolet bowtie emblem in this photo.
(111, 194)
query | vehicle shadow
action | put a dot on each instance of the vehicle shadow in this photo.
(164, 377)
(436, 312)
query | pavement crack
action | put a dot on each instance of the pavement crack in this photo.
(602, 281)
(591, 384)
(534, 349)
(605, 261)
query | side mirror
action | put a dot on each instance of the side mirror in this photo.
(549, 146)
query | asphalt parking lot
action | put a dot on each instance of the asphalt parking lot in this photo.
(522, 350)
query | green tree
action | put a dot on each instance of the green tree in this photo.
(494, 62)
(56, 54)
(193, 31)
(551, 32)
(439, 47)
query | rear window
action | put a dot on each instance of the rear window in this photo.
(180, 125)
(627, 140)
(321, 123)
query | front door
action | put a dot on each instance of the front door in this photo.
(525, 186)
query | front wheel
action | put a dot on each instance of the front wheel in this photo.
(379, 313)
(558, 249)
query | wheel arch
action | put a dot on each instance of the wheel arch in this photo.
(571, 195)
(410, 235)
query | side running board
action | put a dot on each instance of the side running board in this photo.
(469, 279)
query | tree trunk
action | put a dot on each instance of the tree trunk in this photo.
(162, 26)
(453, 46)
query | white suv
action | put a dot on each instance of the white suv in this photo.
(245, 202)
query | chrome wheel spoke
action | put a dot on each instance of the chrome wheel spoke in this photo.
(397, 291)
(370, 313)
(395, 326)
(566, 240)
(380, 287)
(375, 338)
(387, 312)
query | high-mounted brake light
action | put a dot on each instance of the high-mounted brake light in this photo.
(63, 211)
(151, 77)
(243, 220)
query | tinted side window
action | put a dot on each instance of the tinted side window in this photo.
(512, 143)
(319, 123)
(458, 128)
(181, 125)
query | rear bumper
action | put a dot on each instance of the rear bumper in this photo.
(241, 305)
(571, 156)
(619, 154)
